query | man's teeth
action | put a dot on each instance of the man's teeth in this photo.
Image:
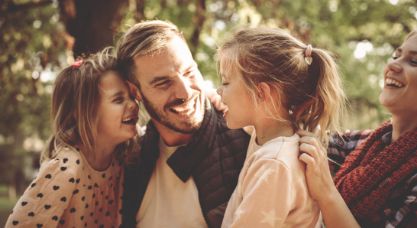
(184, 107)
(392, 82)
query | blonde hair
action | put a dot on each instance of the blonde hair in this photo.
(144, 38)
(312, 94)
(75, 99)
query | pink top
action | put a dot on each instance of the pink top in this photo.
(272, 191)
(69, 193)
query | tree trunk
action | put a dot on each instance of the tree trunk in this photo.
(199, 19)
(92, 23)
(140, 10)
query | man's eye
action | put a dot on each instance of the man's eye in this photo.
(225, 83)
(163, 84)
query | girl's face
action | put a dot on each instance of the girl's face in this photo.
(236, 95)
(400, 79)
(117, 112)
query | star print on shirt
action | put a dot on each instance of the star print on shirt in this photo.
(238, 213)
(269, 218)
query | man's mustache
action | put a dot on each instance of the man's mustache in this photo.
(179, 101)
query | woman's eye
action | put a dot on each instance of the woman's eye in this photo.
(395, 56)
(225, 83)
(413, 62)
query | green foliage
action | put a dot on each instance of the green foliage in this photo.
(31, 44)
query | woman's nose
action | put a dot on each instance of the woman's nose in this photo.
(394, 66)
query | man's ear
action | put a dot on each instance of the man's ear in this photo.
(134, 91)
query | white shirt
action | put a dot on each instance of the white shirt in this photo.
(168, 201)
(271, 190)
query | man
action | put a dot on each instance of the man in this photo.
(189, 161)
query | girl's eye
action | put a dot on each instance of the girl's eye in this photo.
(118, 100)
(190, 74)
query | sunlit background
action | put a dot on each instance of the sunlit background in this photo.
(39, 37)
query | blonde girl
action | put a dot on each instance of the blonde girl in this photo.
(279, 85)
(79, 182)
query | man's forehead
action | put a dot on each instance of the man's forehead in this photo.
(172, 58)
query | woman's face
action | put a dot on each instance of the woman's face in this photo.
(399, 94)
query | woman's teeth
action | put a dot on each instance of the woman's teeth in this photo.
(392, 82)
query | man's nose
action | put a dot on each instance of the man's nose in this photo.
(184, 89)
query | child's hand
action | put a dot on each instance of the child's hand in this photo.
(313, 154)
(216, 100)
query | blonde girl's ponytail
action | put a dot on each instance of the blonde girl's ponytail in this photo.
(326, 103)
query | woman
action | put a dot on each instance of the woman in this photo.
(377, 183)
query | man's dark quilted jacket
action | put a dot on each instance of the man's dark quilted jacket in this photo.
(214, 158)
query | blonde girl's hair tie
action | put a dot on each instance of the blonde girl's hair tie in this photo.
(307, 54)
(77, 63)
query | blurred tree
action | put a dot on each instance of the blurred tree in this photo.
(32, 45)
(92, 23)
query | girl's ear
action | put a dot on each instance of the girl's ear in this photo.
(134, 91)
(264, 92)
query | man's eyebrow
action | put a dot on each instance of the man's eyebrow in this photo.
(158, 79)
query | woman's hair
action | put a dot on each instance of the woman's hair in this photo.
(75, 100)
(311, 94)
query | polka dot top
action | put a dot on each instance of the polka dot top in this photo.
(69, 193)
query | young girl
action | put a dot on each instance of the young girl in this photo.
(277, 84)
(79, 182)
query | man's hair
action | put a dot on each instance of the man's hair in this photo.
(144, 38)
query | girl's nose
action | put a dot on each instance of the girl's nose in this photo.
(132, 104)
(219, 91)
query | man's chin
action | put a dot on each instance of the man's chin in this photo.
(186, 128)
(179, 127)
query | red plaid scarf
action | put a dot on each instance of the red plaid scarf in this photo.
(373, 169)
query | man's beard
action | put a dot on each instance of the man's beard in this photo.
(159, 115)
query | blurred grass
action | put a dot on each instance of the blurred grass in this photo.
(6, 205)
